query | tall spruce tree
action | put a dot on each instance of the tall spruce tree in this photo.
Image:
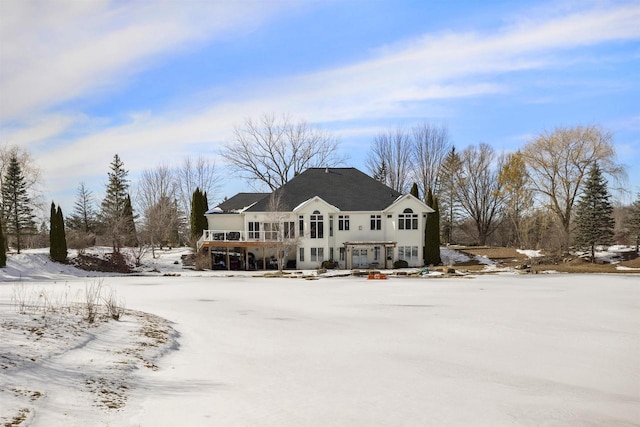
(57, 238)
(3, 250)
(112, 215)
(634, 223)
(83, 218)
(432, 233)
(594, 214)
(16, 204)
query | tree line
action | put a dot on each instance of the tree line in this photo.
(165, 200)
(535, 197)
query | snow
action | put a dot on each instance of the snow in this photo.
(235, 349)
(529, 253)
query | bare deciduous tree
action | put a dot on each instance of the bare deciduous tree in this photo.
(479, 189)
(558, 162)
(431, 144)
(391, 151)
(282, 225)
(158, 204)
(195, 173)
(271, 151)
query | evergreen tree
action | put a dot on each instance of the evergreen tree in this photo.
(3, 252)
(199, 206)
(634, 222)
(130, 233)
(57, 238)
(414, 190)
(432, 233)
(83, 217)
(16, 204)
(594, 214)
(112, 215)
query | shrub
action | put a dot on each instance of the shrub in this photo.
(400, 264)
(329, 265)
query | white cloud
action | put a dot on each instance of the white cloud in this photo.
(55, 51)
(396, 81)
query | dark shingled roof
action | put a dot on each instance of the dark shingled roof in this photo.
(241, 201)
(348, 189)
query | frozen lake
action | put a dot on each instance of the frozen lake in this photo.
(493, 350)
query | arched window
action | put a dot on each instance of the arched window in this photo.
(408, 220)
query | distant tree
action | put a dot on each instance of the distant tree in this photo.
(84, 217)
(198, 219)
(30, 171)
(130, 234)
(518, 195)
(113, 219)
(392, 149)
(194, 173)
(414, 190)
(432, 232)
(448, 176)
(479, 192)
(558, 162)
(594, 214)
(271, 151)
(3, 248)
(380, 172)
(634, 222)
(159, 207)
(16, 204)
(430, 146)
(57, 238)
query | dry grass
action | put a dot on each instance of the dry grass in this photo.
(509, 257)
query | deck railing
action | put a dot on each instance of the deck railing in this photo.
(236, 236)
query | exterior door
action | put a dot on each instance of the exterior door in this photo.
(359, 258)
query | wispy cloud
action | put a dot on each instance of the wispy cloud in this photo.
(55, 51)
(398, 80)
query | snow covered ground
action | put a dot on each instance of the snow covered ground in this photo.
(205, 349)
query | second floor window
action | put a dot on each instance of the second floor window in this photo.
(271, 231)
(408, 220)
(254, 230)
(316, 223)
(376, 222)
(343, 222)
(289, 230)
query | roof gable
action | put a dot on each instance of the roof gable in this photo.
(348, 189)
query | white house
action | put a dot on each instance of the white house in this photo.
(323, 214)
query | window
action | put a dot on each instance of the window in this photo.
(317, 254)
(254, 230)
(271, 230)
(301, 254)
(376, 253)
(341, 254)
(408, 220)
(376, 222)
(408, 253)
(301, 225)
(289, 230)
(330, 225)
(317, 225)
(343, 222)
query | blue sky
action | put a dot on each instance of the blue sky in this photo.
(158, 81)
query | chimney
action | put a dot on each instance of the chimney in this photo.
(326, 170)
